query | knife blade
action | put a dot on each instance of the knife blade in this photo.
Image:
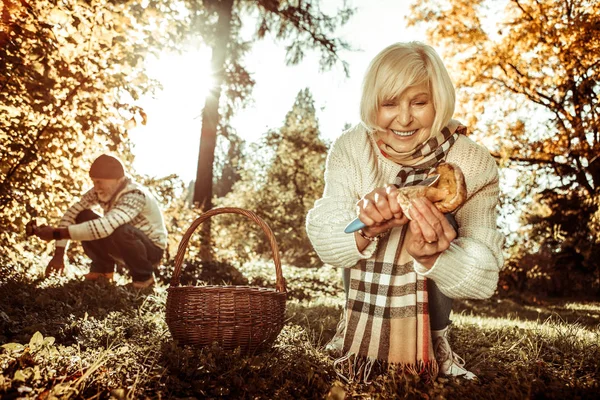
(357, 224)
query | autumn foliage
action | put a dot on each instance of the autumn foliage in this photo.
(69, 76)
(529, 82)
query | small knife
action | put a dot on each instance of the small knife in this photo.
(358, 224)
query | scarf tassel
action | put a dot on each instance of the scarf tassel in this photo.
(351, 368)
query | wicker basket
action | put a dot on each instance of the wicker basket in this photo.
(232, 316)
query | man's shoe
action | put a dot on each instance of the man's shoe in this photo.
(94, 276)
(336, 344)
(450, 364)
(144, 284)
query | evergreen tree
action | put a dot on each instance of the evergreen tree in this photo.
(280, 184)
(301, 25)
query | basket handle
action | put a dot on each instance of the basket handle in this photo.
(280, 281)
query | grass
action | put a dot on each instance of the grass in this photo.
(65, 338)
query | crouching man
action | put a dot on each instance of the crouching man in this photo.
(131, 230)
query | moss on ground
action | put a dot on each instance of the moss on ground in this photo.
(65, 338)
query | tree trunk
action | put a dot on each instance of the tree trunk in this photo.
(210, 120)
(210, 114)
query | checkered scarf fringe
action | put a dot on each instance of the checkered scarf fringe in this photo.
(387, 312)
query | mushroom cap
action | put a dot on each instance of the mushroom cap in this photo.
(447, 194)
(452, 181)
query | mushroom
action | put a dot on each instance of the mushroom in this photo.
(447, 194)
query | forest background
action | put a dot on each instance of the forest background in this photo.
(72, 73)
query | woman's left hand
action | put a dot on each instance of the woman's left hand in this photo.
(431, 233)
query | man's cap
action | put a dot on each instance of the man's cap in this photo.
(107, 167)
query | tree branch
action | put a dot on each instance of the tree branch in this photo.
(580, 174)
(529, 17)
(540, 94)
(21, 161)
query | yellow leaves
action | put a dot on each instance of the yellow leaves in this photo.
(130, 123)
(36, 340)
(13, 347)
(10, 12)
(38, 67)
(36, 344)
(9, 111)
(103, 17)
(69, 52)
(144, 117)
(133, 121)
(104, 36)
(58, 16)
(66, 163)
(122, 23)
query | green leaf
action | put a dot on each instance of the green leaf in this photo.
(21, 376)
(37, 339)
(49, 341)
(13, 347)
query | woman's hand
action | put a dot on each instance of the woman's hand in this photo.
(431, 233)
(380, 211)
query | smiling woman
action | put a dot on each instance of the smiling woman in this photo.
(171, 134)
(402, 271)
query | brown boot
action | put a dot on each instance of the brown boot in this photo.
(94, 276)
(144, 284)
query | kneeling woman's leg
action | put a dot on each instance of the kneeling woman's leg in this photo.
(346, 280)
(440, 307)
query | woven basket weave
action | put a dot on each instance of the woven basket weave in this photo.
(232, 316)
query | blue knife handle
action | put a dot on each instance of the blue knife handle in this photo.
(354, 226)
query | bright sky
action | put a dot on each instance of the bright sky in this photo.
(169, 142)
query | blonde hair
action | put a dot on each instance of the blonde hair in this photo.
(398, 67)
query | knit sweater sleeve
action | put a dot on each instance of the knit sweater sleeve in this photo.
(469, 268)
(125, 209)
(326, 221)
(88, 200)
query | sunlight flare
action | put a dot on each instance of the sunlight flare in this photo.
(172, 130)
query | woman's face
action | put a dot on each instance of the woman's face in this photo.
(407, 120)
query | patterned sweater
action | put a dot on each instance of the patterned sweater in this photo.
(467, 269)
(132, 205)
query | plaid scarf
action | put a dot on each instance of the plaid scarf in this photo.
(387, 313)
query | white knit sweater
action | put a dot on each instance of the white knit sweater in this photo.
(467, 269)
